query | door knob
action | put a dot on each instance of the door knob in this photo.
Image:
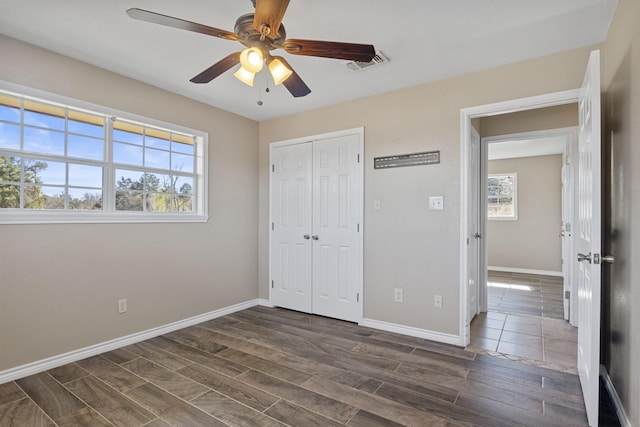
(306, 237)
(315, 237)
(583, 257)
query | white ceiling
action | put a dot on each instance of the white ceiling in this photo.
(425, 40)
(529, 147)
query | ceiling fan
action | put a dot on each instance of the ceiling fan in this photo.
(260, 33)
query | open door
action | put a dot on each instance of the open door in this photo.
(474, 238)
(587, 237)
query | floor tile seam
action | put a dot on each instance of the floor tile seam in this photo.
(28, 397)
(290, 384)
(87, 405)
(24, 394)
(208, 389)
(172, 408)
(121, 367)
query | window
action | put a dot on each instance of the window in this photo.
(502, 196)
(63, 163)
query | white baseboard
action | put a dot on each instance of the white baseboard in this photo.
(622, 414)
(411, 331)
(265, 303)
(526, 271)
(83, 353)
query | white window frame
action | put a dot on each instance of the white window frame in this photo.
(109, 214)
(514, 197)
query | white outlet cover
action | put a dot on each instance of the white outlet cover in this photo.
(436, 203)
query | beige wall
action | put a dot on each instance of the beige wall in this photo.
(561, 116)
(59, 283)
(406, 245)
(621, 286)
(531, 241)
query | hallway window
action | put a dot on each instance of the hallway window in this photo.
(502, 196)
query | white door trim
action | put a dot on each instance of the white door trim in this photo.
(466, 114)
(360, 208)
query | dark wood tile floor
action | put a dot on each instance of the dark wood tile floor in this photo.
(273, 367)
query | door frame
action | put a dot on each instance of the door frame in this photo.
(359, 132)
(466, 115)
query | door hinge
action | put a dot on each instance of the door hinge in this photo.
(358, 297)
(358, 158)
(567, 294)
(358, 227)
(272, 284)
(273, 168)
(273, 226)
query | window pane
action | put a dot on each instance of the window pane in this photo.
(158, 183)
(9, 108)
(184, 185)
(9, 196)
(156, 143)
(185, 145)
(129, 180)
(182, 203)
(35, 172)
(85, 124)
(46, 172)
(39, 197)
(43, 141)
(181, 162)
(158, 202)
(85, 199)
(128, 201)
(43, 120)
(156, 159)
(127, 154)
(9, 136)
(10, 169)
(127, 132)
(85, 148)
(85, 176)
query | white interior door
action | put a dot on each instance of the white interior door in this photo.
(336, 250)
(587, 237)
(473, 240)
(291, 215)
(316, 225)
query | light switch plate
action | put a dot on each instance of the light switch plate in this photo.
(436, 203)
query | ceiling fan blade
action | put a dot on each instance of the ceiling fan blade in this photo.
(270, 12)
(218, 68)
(294, 84)
(170, 21)
(337, 50)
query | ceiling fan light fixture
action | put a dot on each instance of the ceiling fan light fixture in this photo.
(252, 59)
(245, 76)
(279, 70)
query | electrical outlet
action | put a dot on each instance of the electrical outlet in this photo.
(436, 203)
(376, 205)
(398, 295)
(437, 301)
(122, 306)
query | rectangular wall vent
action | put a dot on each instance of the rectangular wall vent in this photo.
(377, 60)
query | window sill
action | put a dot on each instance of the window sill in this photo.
(40, 217)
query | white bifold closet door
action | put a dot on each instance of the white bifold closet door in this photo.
(315, 253)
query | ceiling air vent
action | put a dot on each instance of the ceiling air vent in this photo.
(379, 59)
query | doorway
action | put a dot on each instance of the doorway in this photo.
(522, 206)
